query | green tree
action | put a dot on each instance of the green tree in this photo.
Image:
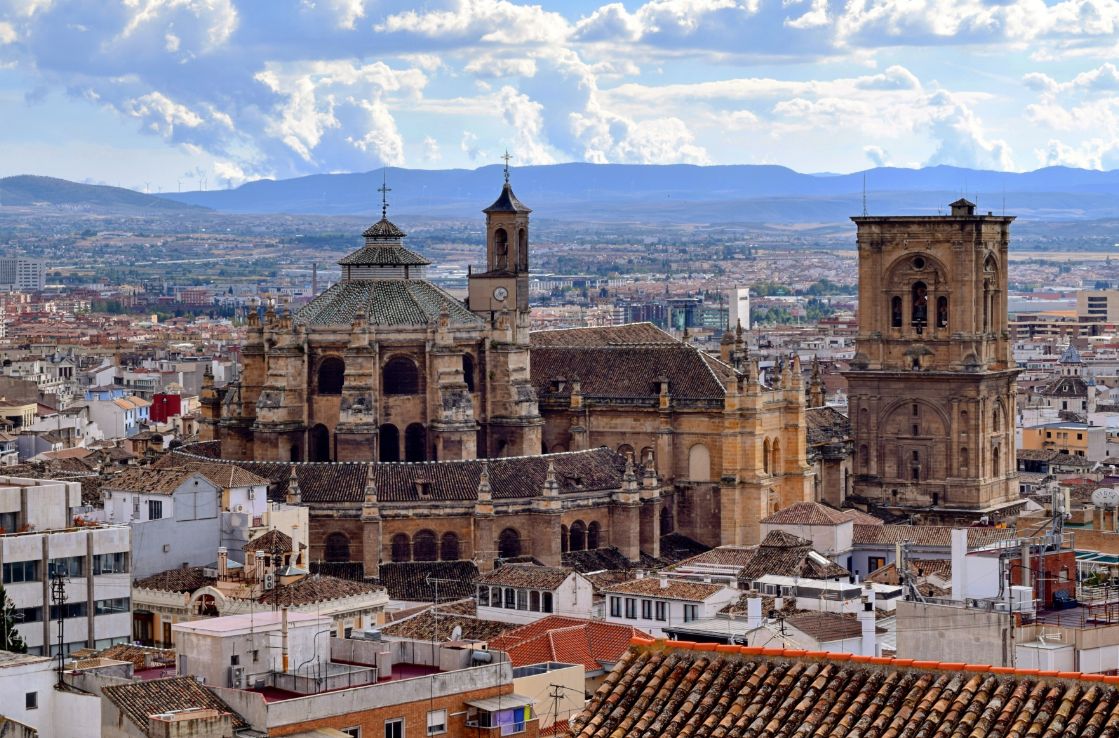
(10, 639)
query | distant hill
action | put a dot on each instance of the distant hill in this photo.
(680, 193)
(27, 191)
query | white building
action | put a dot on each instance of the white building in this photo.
(739, 308)
(119, 417)
(28, 696)
(20, 274)
(522, 593)
(654, 603)
(95, 560)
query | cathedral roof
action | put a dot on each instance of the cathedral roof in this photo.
(1065, 387)
(398, 302)
(507, 202)
(383, 228)
(377, 254)
(1071, 356)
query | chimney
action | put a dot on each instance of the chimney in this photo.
(959, 563)
(223, 562)
(869, 637)
(663, 582)
(753, 612)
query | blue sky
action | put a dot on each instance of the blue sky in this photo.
(164, 94)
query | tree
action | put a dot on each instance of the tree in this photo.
(10, 639)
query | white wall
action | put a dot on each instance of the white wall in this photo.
(59, 714)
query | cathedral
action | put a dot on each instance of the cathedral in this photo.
(420, 427)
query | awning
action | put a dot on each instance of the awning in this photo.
(504, 702)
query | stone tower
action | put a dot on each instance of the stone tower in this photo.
(932, 384)
(499, 295)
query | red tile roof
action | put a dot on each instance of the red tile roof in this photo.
(591, 643)
(706, 691)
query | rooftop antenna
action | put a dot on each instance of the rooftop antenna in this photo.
(384, 189)
(864, 195)
(507, 157)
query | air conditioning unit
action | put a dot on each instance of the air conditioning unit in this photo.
(236, 677)
(240, 508)
(372, 634)
(269, 581)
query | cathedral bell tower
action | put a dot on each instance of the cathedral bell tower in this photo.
(932, 384)
(499, 295)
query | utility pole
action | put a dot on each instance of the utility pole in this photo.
(59, 580)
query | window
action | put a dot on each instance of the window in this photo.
(522, 599)
(436, 722)
(155, 509)
(9, 522)
(108, 607)
(337, 547)
(70, 610)
(235, 660)
(895, 312)
(534, 601)
(631, 608)
(484, 596)
(510, 598)
(71, 566)
(394, 728)
(29, 615)
(110, 563)
(874, 563)
(615, 607)
(400, 377)
(546, 604)
(21, 571)
(661, 612)
(646, 609)
(691, 612)
(354, 732)
(332, 375)
(31, 701)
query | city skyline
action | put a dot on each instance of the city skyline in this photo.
(169, 95)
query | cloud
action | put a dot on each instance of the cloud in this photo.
(525, 119)
(432, 154)
(877, 155)
(7, 33)
(481, 21)
(960, 139)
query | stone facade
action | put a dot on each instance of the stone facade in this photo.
(932, 384)
(595, 437)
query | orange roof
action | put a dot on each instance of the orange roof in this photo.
(567, 640)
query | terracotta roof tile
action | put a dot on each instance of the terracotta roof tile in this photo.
(150, 481)
(787, 555)
(927, 535)
(527, 576)
(807, 513)
(591, 643)
(316, 588)
(140, 699)
(413, 580)
(675, 589)
(432, 625)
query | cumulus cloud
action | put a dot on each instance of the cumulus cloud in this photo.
(877, 155)
(960, 138)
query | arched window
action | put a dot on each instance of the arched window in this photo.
(775, 465)
(400, 377)
(942, 312)
(864, 459)
(423, 546)
(337, 547)
(578, 536)
(564, 544)
(415, 443)
(895, 312)
(501, 249)
(996, 421)
(915, 466)
(920, 301)
(593, 531)
(448, 547)
(401, 547)
(320, 443)
(509, 544)
(647, 455)
(294, 453)
(522, 250)
(626, 451)
(332, 374)
(390, 442)
(666, 521)
(964, 461)
(468, 371)
(996, 467)
(699, 463)
(765, 456)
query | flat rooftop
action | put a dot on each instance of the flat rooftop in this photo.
(266, 619)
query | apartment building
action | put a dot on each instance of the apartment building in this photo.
(39, 540)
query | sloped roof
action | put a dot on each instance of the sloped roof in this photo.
(507, 202)
(273, 540)
(528, 576)
(1065, 387)
(630, 334)
(568, 640)
(827, 425)
(672, 589)
(927, 535)
(147, 480)
(787, 555)
(383, 229)
(439, 625)
(827, 626)
(396, 302)
(138, 700)
(412, 580)
(807, 513)
(705, 693)
(316, 588)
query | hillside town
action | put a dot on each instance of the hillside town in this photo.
(523, 503)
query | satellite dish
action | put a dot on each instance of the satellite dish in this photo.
(456, 634)
(1106, 497)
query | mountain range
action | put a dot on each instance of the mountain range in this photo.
(627, 193)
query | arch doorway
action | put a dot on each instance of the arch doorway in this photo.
(509, 544)
(337, 547)
(320, 443)
(415, 443)
(332, 374)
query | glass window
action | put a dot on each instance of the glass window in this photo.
(436, 722)
(522, 599)
(534, 601)
(9, 522)
(615, 607)
(70, 610)
(71, 566)
(661, 612)
(394, 728)
(31, 701)
(547, 604)
(354, 732)
(484, 596)
(510, 598)
(107, 607)
(110, 563)
(647, 609)
(155, 509)
(21, 571)
(691, 612)
(631, 608)
(29, 615)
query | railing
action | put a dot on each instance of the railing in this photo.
(312, 679)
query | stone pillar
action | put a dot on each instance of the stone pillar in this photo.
(371, 527)
(651, 504)
(546, 527)
(625, 516)
(485, 542)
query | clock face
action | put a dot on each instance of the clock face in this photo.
(500, 294)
